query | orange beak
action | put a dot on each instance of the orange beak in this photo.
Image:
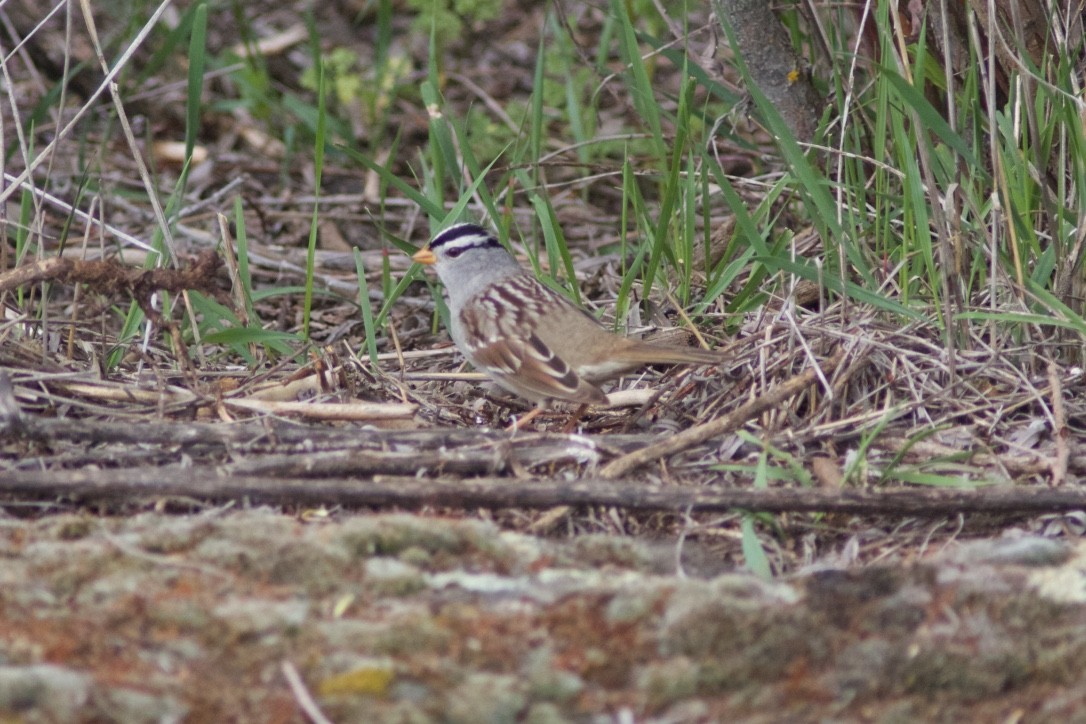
(424, 256)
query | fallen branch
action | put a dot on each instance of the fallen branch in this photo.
(108, 276)
(274, 434)
(126, 485)
(279, 447)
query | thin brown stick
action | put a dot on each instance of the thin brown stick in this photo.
(721, 425)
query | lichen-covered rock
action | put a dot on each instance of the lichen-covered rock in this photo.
(419, 619)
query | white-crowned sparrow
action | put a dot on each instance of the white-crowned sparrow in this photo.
(525, 336)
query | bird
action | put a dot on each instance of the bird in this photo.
(523, 335)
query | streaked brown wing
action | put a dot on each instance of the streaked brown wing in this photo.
(528, 367)
(504, 346)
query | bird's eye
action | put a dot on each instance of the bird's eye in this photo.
(454, 252)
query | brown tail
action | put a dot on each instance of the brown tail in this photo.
(646, 353)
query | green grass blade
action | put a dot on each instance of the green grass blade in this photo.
(537, 126)
(367, 308)
(260, 295)
(555, 241)
(197, 65)
(461, 204)
(754, 557)
(640, 86)
(433, 209)
(244, 273)
(672, 190)
(476, 171)
(239, 338)
(931, 119)
(939, 480)
(813, 186)
(443, 156)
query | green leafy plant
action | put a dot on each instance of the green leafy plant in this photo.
(447, 17)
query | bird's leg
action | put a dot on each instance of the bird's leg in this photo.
(517, 424)
(571, 424)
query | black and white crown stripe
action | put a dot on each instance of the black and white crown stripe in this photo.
(464, 236)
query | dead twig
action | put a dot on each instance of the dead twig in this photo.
(721, 425)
